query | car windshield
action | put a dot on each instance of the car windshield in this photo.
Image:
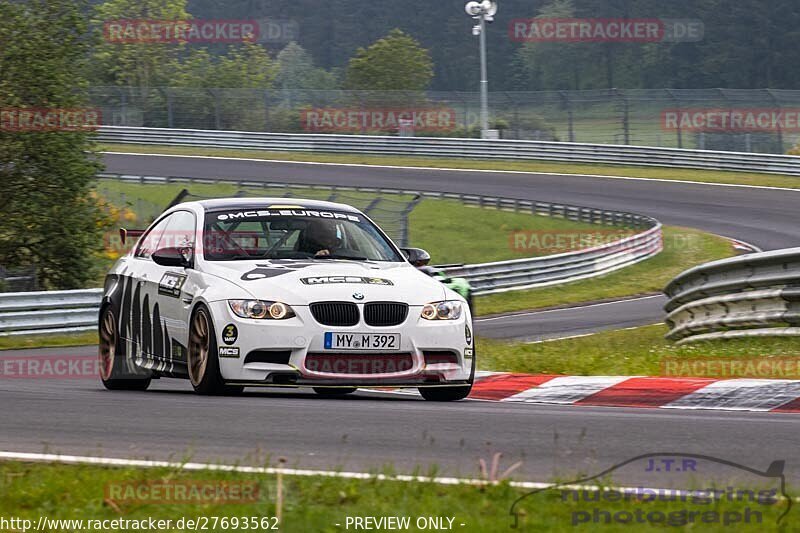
(233, 235)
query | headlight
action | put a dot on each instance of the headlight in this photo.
(260, 309)
(447, 310)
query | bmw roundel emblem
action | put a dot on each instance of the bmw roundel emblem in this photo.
(358, 295)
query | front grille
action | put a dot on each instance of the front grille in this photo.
(335, 313)
(359, 363)
(385, 313)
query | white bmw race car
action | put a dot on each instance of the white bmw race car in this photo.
(234, 293)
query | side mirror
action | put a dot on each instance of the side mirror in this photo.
(417, 256)
(171, 257)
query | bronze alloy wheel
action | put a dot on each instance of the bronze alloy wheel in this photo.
(113, 375)
(203, 363)
(199, 343)
(107, 347)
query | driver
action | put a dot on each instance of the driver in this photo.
(320, 238)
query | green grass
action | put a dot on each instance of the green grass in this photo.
(455, 233)
(317, 504)
(683, 248)
(632, 352)
(705, 176)
(44, 341)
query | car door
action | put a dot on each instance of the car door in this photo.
(173, 289)
(134, 313)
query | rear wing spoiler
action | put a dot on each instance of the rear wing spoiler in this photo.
(133, 233)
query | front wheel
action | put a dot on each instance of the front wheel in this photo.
(107, 355)
(445, 394)
(202, 360)
(450, 394)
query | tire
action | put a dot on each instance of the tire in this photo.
(202, 358)
(324, 391)
(107, 349)
(450, 394)
(445, 394)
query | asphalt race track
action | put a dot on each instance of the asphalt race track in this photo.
(370, 430)
(536, 326)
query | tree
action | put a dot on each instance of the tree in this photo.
(747, 44)
(395, 63)
(296, 70)
(48, 217)
(141, 65)
(552, 65)
(247, 66)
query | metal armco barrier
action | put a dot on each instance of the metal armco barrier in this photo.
(489, 278)
(756, 295)
(27, 313)
(459, 148)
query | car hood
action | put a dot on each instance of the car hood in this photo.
(298, 282)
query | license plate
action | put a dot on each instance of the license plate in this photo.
(362, 341)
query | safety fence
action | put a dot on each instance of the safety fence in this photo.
(496, 149)
(675, 118)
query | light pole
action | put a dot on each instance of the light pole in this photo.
(483, 12)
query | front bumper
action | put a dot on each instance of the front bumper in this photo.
(431, 353)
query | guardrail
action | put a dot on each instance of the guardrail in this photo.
(503, 276)
(27, 313)
(459, 148)
(756, 295)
